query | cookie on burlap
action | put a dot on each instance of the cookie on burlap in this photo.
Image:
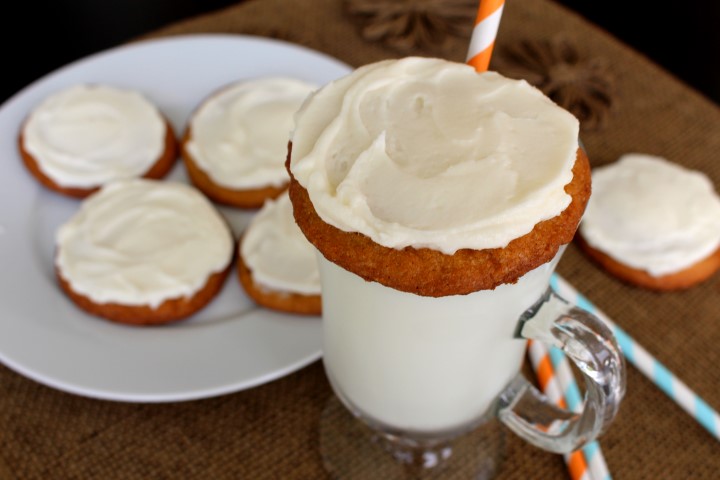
(653, 223)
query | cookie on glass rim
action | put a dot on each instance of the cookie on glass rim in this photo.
(143, 252)
(653, 223)
(235, 143)
(277, 266)
(491, 190)
(85, 136)
(429, 272)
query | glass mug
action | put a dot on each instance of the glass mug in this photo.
(423, 370)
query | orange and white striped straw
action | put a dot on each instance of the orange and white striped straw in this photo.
(484, 33)
(555, 386)
(550, 384)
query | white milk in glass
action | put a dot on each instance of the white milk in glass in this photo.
(422, 363)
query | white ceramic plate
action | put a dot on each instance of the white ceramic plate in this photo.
(229, 346)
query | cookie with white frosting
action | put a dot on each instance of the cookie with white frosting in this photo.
(429, 178)
(277, 266)
(235, 143)
(144, 252)
(653, 223)
(85, 136)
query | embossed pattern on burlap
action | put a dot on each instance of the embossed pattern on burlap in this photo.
(272, 431)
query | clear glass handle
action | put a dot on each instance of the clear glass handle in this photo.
(590, 344)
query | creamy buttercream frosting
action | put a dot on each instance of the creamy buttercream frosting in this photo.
(430, 154)
(652, 214)
(141, 242)
(239, 136)
(277, 253)
(88, 135)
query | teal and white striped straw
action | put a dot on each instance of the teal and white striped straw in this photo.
(593, 456)
(673, 387)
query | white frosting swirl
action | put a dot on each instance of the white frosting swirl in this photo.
(88, 135)
(278, 253)
(428, 153)
(652, 215)
(239, 136)
(141, 242)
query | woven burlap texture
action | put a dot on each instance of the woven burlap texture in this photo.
(272, 431)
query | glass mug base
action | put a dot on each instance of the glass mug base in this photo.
(352, 450)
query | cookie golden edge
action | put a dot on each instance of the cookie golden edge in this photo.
(431, 273)
(681, 280)
(282, 301)
(170, 311)
(246, 198)
(157, 170)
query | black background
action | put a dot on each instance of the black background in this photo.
(39, 36)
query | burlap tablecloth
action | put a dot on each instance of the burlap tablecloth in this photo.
(272, 431)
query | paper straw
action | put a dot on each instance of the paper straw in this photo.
(593, 455)
(555, 386)
(558, 383)
(479, 53)
(484, 33)
(673, 387)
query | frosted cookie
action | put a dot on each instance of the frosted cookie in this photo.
(277, 265)
(143, 252)
(432, 193)
(235, 145)
(81, 138)
(653, 223)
